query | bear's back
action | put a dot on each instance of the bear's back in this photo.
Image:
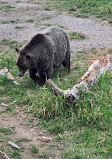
(60, 40)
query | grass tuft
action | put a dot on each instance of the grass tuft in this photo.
(5, 7)
(100, 8)
(30, 21)
(15, 154)
(34, 149)
(77, 36)
(7, 131)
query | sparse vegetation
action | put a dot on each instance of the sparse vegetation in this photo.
(6, 7)
(61, 26)
(15, 154)
(48, 25)
(18, 27)
(11, 44)
(34, 149)
(7, 22)
(7, 131)
(101, 8)
(47, 9)
(30, 21)
(44, 155)
(55, 129)
(75, 35)
(22, 140)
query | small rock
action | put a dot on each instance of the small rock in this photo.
(72, 10)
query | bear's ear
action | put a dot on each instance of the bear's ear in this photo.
(17, 50)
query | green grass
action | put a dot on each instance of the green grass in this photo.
(47, 9)
(48, 24)
(7, 22)
(99, 8)
(75, 35)
(88, 143)
(22, 140)
(84, 128)
(18, 1)
(61, 26)
(7, 131)
(19, 27)
(11, 44)
(6, 7)
(44, 155)
(30, 21)
(55, 129)
(34, 149)
(15, 154)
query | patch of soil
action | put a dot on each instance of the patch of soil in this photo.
(30, 132)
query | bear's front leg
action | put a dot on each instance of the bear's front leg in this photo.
(47, 74)
(32, 73)
(42, 79)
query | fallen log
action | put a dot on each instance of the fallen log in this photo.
(90, 78)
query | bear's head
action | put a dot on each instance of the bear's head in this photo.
(30, 54)
(23, 61)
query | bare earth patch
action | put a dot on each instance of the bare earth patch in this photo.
(26, 135)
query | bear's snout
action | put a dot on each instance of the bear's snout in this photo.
(20, 74)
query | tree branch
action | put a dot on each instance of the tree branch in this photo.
(90, 78)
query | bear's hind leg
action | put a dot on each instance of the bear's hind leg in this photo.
(66, 63)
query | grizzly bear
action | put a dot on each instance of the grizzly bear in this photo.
(45, 51)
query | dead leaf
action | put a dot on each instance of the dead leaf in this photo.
(10, 76)
(44, 139)
(13, 145)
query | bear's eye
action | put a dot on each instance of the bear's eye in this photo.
(28, 56)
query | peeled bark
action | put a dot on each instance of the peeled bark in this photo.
(9, 75)
(90, 78)
(3, 155)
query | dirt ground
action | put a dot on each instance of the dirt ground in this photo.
(98, 35)
(29, 132)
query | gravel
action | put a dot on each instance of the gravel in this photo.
(98, 33)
